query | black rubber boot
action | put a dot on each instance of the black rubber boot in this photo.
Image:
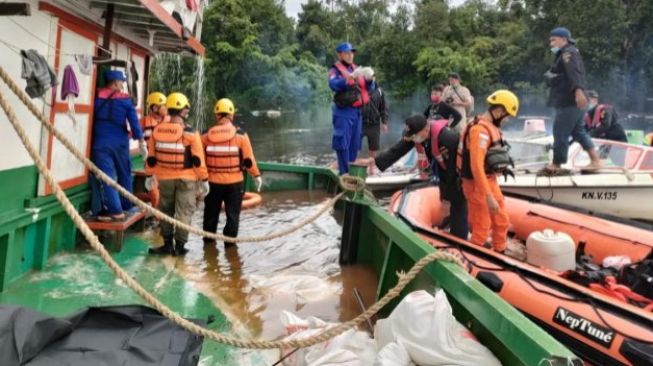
(180, 249)
(209, 241)
(165, 249)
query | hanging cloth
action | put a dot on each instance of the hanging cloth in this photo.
(133, 82)
(85, 63)
(39, 75)
(191, 5)
(70, 91)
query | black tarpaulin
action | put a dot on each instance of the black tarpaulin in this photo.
(131, 335)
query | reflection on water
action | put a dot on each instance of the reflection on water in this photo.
(253, 282)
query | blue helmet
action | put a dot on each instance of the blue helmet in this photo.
(562, 32)
(345, 47)
(111, 75)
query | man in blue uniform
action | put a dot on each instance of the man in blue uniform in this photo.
(110, 147)
(351, 93)
(566, 77)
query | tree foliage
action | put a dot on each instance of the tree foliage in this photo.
(259, 56)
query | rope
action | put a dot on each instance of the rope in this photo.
(142, 205)
(404, 279)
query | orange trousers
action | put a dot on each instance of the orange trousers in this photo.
(479, 216)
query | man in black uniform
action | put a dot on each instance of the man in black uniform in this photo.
(601, 120)
(375, 120)
(566, 77)
(438, 109)
(440, 143)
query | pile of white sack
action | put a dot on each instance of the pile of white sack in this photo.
(421, 331)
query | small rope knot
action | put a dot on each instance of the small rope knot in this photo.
(352, 183)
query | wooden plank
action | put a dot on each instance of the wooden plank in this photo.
(122, 225)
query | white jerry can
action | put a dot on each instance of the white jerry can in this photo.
(551, 250)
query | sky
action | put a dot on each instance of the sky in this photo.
(293, 7)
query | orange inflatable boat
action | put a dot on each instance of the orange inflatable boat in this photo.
(599, 304)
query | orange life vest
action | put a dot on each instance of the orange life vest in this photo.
(362, 85)
(148, 123)
(169, 149)
(223, 155)
(463, 159)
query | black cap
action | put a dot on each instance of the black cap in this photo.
(414, 124)
(592, 94)
(454, 75)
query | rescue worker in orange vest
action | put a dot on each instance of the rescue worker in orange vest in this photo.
(176, 159)
(228, 153)
(482, 155)
(156, 112)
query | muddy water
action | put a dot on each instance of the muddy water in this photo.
(253, 282)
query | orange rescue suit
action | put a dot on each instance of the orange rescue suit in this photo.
(175, 152)
(147, 125)
(228, 152)
(149, 122)
(474, 145)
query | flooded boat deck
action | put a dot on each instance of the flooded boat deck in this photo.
(244, 287)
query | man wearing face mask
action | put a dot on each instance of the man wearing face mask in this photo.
(438, 142)
(438, 109)
(482, 156)
(566, 77)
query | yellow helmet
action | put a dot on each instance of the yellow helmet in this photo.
(649, 138)
(225, 106)
(156, 98)
(177, 101)
(506, 99)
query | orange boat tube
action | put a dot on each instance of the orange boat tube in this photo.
(250, 200)
(605, 322)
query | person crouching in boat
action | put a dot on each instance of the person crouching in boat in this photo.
(482, 155)
(156, 113)
(436, 140)
(176, 159)
(228, 153)
(601, 120)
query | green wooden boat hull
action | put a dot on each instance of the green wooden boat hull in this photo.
(384, 243)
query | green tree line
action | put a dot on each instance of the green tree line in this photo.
(262, 58)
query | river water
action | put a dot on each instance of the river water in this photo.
(253, 283)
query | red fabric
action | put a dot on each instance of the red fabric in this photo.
(191, 5)
(105, 93)
(596, 120)
(436, 128)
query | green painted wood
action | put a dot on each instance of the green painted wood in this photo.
(11, 220)
(509, 334)
(18, 184)
(311, 181)
(387, 277)
(71, 281)
(41, 253)
(4, 248)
